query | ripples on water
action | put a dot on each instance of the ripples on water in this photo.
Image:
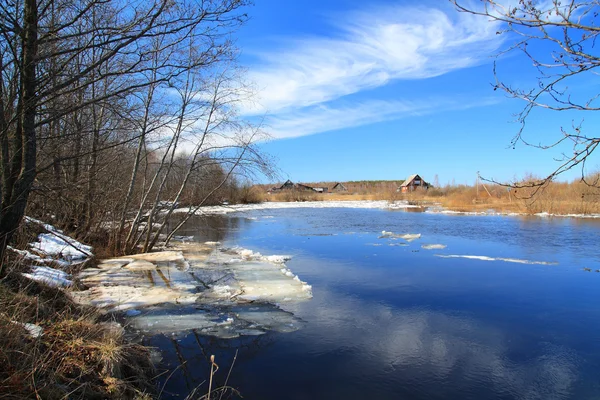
(394, 321)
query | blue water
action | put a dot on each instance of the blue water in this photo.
(398, 322)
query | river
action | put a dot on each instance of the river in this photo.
(501, 307)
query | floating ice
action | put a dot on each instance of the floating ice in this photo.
(486, 258)
(409, 237)
(223, 322)
(156, 290)
(433, 246)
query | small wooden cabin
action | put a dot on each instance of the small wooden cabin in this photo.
(288, 185)
(413, 182)
(339, 187)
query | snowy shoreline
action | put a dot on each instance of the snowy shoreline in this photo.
(366, 204)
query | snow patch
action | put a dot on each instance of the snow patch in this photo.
(35, 331)
(56, 244)
(49, 276)
(376, 204)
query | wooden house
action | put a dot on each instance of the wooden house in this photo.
(288, 185)
(339, 187)
(413, 182)
(305, 188)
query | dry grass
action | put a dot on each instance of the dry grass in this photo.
(78, 355)
(555, 198)
(294, 195)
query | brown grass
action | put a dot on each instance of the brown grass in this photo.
(294, 195)
(556, 197)
(79, 354)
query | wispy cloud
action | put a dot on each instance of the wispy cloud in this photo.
(301, 81)
(326, 117)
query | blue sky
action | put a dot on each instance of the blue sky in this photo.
(354, 90)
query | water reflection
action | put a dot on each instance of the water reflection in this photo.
(391, 322)
(213, 228)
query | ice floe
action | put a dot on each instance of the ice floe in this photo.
(193, 287)
(409, 237)
(486, 258)
(223, 321)
(433, 246)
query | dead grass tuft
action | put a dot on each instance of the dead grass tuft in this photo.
(77, 356)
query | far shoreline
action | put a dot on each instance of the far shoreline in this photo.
(393, 205)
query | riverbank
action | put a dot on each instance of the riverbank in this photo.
(422, 205)
(53, 348)
(559, 198)
(71, 325)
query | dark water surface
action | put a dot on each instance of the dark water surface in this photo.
(391, 320)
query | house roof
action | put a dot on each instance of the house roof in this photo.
(409, 180)
(286, 183)
(340, 185)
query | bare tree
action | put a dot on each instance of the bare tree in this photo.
(64, 62)
(559, 37)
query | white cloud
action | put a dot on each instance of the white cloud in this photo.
(324, 118)
(368, 50)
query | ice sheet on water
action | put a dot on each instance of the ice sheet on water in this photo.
(157, 294)
(486, 258)
(222, 322)
(370, 204)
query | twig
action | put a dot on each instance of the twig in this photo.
(212, 372)
(229, 373)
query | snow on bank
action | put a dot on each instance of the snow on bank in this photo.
(486, 258)
(441, 210)
(58, 245)
(365, 204)
(50, 276)
(52, 248)
(370, 204)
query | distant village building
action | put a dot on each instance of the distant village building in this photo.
(304, 187)
(339, 187)
(289, 185)
(413, 182)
